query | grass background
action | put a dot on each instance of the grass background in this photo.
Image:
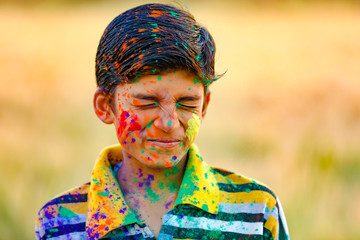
(286, 113)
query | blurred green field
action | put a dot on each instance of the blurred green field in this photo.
(286, 113)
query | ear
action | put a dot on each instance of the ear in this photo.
(207, 94)
(102, 106)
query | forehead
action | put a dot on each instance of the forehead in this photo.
(174, 83)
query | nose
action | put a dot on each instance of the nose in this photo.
(167, 120)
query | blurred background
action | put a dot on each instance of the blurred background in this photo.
(286, 113)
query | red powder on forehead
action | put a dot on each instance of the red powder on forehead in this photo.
(156, 13)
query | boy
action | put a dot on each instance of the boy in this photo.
(154, 65)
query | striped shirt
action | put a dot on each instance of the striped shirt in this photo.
(211, 204)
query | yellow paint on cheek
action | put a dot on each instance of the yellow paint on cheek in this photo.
(193, 127)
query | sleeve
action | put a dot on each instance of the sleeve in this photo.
(275, 226)
(45, 222)
(39, 230)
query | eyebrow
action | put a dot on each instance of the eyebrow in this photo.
(155, 98)
(189, 98)
(145, 96)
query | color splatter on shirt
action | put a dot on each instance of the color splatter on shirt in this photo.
(212, 204)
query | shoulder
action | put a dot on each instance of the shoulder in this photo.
(66, 212)
(251, 201)
(235, 183)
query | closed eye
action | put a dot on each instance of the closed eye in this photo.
(147, 105)
(181, 105)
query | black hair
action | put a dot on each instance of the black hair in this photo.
(153, 39)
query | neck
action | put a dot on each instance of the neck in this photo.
(150, 183)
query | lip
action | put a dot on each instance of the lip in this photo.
(164, 142)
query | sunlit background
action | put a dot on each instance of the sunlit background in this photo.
(286, 113)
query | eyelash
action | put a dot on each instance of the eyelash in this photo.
(178, 105)
(148, 105)
(185, 106)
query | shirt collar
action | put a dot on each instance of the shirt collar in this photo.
(199, 186)
(107, 209)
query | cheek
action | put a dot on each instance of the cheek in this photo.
(126, 124)
(193, 127)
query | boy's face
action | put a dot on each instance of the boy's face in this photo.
(157, 117)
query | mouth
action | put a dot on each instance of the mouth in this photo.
(164, 142)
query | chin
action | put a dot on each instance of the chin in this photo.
(161, 164)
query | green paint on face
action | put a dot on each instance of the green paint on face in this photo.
(159, 78)
(193, 127)
(151, 148)
(149, 125)
(142, 151)
(189, 89)
(65, 212)
(169, 123)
